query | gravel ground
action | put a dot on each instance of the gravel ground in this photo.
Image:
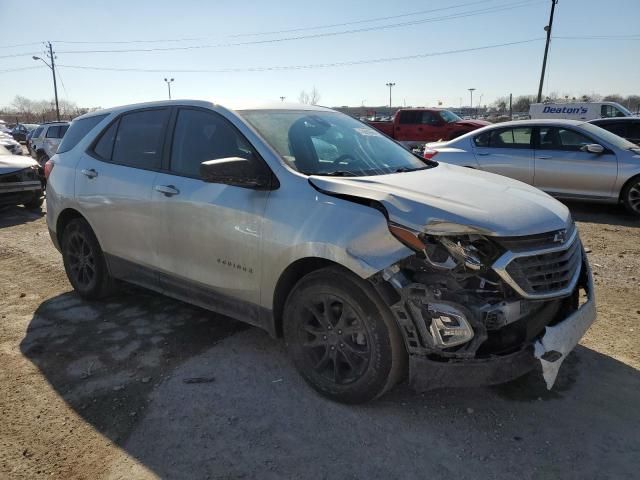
(143, 386)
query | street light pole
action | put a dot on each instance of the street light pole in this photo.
(390, 85)
(546, 49)
(282, 99)
(52, 67)
(169, 81)
(471, 92)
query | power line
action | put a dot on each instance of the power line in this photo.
(302, 67)
(9, 70)
(600, 37)
(484, 11)
(356, 22)
(21, 45)
(105, 42)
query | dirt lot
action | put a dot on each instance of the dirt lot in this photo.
(144, 387)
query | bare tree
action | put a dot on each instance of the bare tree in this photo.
(311, 98)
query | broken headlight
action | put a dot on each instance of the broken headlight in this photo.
(471, 250)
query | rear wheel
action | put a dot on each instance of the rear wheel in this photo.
(631, 196)
(342, 338)
(84, 261)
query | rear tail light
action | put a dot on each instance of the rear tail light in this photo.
(429, 153)
(47, 169)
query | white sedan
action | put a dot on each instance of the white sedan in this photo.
(565, 158)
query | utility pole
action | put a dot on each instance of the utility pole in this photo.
(546, 48)
(52, 67)
(282, 99)
(471, 92)
(169, 81)
(511, 106)
(390, 85)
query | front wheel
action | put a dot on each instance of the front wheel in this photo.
(342, 338)
(84, 261)
(631, 196)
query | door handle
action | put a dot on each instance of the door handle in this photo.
(545, 157)
(91, 173)
(483, 154)
(167, 190)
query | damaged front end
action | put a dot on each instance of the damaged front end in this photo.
(476, 309)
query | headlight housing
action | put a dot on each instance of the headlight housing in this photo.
(452, 246)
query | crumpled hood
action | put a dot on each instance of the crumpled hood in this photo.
(12, 163)
(497, 205)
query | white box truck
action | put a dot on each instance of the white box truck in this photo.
(578, 111)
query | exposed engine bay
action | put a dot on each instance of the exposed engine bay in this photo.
(451, 304)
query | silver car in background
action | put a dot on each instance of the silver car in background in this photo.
(567, 159)
(317, 228)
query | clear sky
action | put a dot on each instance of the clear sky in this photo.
(576, 66)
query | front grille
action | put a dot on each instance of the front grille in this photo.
(547, 272)
(540, 266)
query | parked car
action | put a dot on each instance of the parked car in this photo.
(577, 110)
(313, 226)
(416, 126)
(45, 142)
(21, 180)
(7, 141)
(627, 127)
(21, 130)
(565, 158)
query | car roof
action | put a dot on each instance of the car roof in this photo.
(615, 120)
(206, 104)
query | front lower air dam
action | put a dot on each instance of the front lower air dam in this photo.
(559, 340)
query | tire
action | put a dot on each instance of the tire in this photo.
(631, 196)
(355, 353)
(36, 202)
(84, 261)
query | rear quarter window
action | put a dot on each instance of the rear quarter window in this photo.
(77, 131)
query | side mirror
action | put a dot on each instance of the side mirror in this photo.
(236, 171)
(593, 148)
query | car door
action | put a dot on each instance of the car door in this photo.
(564, 168)
(506, 151)
(208, 233)
(114, 179)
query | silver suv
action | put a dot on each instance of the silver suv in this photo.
(45, 140)
(372, 263)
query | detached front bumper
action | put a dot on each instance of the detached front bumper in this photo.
(548, 351)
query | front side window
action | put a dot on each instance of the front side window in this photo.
(610, 111)
(200, 136)
(139, 139)
(37, 132)
(431, 118)
(330, 143)
(556, 138)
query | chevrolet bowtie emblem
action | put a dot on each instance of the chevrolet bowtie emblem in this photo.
(560, 236)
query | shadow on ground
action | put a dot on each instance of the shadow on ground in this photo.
(188, 393)
(605, 214)
(10, 216)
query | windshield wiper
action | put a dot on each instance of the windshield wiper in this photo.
(338, 173)
(407, 169)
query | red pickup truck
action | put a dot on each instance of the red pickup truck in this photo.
(414, 127)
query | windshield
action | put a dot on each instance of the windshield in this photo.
(449, 117)
(609, 137)
(330, 143)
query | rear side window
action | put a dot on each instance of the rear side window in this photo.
(505, 138)
(135, 140)
(617, 128)
(410, 117)
(77, 131)
(104, 147)
(57, 131)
